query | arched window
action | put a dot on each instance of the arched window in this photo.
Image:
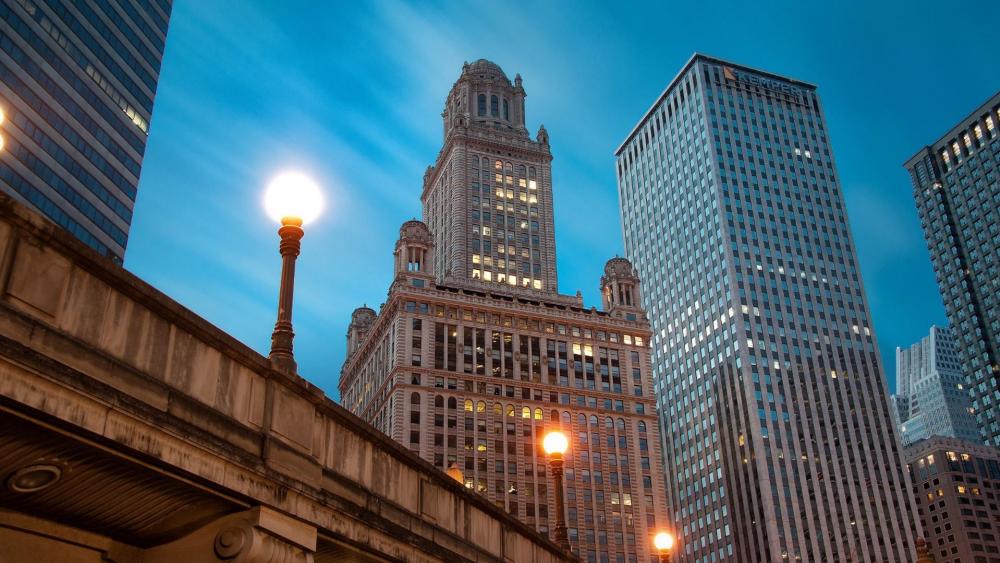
(642, 426)
(498, 409)
(415, 399)
(554, 416)
(538, 414)
(482, 104)
(468, 405)
(531, 173)
(525, 412)
(510, 410)
(506, 109)
(452, 403)
(439, 401)
(582, 420)
(593, 421)
(609, 423)
(620, 424)
(566, 420)
(521, 170)
(481, 406)
(494, 106)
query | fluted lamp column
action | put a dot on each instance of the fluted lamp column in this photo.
(664, 544)
(555, 445)
(293, 200)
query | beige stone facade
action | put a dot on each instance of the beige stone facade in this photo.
(470, 373)
(133, 431)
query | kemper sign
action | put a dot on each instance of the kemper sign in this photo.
(755, 80)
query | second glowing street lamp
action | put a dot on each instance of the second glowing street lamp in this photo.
(555, 445)
(293, 200)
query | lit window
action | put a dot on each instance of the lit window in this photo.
(537, 284)
(525, 412)
(468, 405)
(532, 185)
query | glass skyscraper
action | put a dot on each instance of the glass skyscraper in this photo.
(931, 394)
(957, 192)
(780, 441)
(77, 82)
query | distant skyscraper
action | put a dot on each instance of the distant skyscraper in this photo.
(77, 81)
(475, 355)
(931, 394)
(956, 185)
(954, 486)
(780, 441)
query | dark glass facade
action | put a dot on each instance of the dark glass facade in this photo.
(957, 192)
(780, 442)
(77, 83)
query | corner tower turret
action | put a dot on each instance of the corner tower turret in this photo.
(414, 252)
(362, 320)
(620, 288)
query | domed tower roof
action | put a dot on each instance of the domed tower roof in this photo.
(363, 315)
(486, 69)
(415, 231)
(619, 267)
(483, 96)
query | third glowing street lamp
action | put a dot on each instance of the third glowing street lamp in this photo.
(555, 445)
(664, 544)
(293, 200)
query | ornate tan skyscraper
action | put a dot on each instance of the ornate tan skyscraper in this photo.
(488, 198)
(469, 366)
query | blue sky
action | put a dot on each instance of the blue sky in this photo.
(351, 93)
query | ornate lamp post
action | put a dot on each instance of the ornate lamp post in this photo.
(555, 445)
(293, 200)
(664, 544)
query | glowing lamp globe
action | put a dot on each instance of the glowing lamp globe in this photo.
(663, 541)
(555, 443)
(293, 196)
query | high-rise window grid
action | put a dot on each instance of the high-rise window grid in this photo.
(762, 338)
(957, 192)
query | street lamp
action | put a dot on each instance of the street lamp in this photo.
(292, 199)
(555, 445)
(664, 544)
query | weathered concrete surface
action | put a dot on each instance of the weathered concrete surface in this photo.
(177, 443)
